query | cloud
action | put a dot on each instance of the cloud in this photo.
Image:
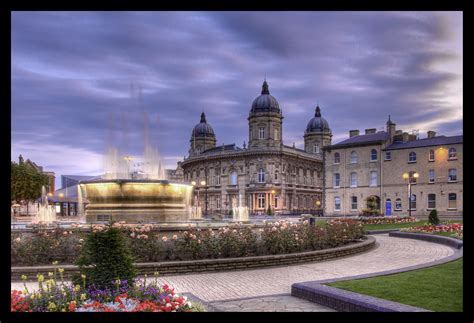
(76, 76)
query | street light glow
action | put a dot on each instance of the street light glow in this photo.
(193, 183)
(203, 183)
(405, 176)
(415, 175)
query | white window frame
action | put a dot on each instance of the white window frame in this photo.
(450, 180)
(353, 179)
(455, 201)
(389, 154)
(316, 148)
(372, 178)
(454, 153)
(398, 202)
(431, 155)
(372, 155)
(336, 183)
(432, 201)
(352, 203)
(261, 200)
(337, 203)
(413, 201)
(338, 158)
(410, 159)
(233, 175)
(431, 180)
(261, 175)
(354, 158)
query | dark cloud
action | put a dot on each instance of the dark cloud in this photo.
(75, 77)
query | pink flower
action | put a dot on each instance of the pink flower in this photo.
(165, 238)
(175, 237)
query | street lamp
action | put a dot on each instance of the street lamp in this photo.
(318, 205)
(409, 177)
(203, 183)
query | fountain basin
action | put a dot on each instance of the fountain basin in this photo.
(136, 200)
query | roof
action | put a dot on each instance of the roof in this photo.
(361, 140)
(427, 142)
(79, 177)
(221, 148)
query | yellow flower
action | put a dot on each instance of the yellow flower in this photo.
(23, 277)
(51, 306)
(61, 270)
(40, 278)
(32, 296)
(83, 276)
(156, 273)
(50, 274)
(83, 297)
(39, 296)
(77, 288)
(55, 262)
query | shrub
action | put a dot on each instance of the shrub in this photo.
(105, 258)
(433, 217)
(269, 210)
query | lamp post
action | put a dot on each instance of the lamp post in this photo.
(272, 201)
(318, 205)
(203, 183)
(409, 177)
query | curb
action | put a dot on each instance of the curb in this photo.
(347, 301)
(448, 241)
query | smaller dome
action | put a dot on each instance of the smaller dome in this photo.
(318, 123)
(265, 102)
(203, 129)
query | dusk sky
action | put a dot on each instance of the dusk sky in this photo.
(76, 77)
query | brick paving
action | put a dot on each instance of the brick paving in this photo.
(390, 253)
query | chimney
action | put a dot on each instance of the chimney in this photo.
(431, 134)
(406, 137)
(353, 133)
(369, 131)
(390, 130)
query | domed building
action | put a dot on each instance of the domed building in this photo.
(267, 173)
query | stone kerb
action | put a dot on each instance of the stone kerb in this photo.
(451, 242)
(213, 265)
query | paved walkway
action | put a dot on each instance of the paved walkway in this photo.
(390, 253)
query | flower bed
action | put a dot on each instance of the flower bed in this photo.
(137, 297)
(456, 229)
(387, 220)
(148, 244)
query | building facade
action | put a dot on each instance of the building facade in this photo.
(366, 172)
(267, 173)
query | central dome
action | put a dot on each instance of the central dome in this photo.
(203, 129)
(265, 102)
(318, 123)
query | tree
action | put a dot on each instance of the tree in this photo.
(433, 217)
(26, 183)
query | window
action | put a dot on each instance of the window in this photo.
(353, 179)
(337, 158)
(432, 155)
(261, 133)
(337, 180)
(316, 148)
(398, 205)
(373, 178)
(413, 202)
(452, 175)
(452, 153)
(218, 202)
(275, 133)
(431, 201)
(353, 203)
(388, 155)
(373, 155)
(261, 201)
(353, 157)
(261, 176)
(431, 176)
(452, 201)
(276, 175)
(337, 203)
(412, 157)
(233, 178)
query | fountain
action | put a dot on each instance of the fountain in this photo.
(240, 213)
(135, 192)
(45, 213)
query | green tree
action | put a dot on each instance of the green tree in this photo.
(269, 210)
(433, 217)
(26, 183)
(105, 258)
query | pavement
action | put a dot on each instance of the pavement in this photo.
(268, 289)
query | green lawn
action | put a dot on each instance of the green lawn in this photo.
(401, 225)
(438, 288)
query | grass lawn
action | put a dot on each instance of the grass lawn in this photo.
(401, 225)
(438, 288)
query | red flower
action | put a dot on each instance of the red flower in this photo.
(72, 307)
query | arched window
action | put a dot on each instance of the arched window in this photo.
(452, 153)
(412, 157)
(316, 149)
(337, 158)
(261, 176)
(373, 155)
(353, 157)
(431, 201)
(353, 179)
(233, 178)
(261, 133)
(413, 202)
(398, 204)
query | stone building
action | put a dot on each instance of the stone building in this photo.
(373, 164)
(265, 174)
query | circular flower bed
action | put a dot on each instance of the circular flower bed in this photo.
(141, 296)
(387, 220)
(149, 244)
(455, 228)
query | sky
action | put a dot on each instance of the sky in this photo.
(85, 81)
